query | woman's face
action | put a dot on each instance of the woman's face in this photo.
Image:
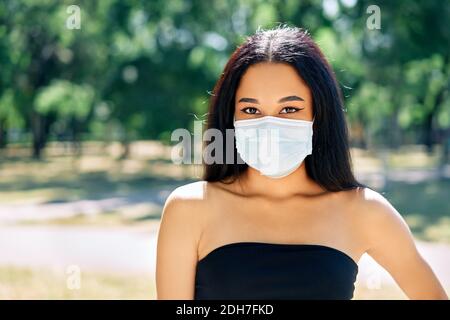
(273, 89)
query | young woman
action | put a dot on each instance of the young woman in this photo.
(292, 227)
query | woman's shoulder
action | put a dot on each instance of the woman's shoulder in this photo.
(186, 196)
(183, 213)
(371, 203)
(365, 202)
(198, 191)
(191, 198)
(375, 213)
(190, 191)
(190, 207)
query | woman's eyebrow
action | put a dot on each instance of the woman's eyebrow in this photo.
(291, 98)
(248, 100)
(285, 99)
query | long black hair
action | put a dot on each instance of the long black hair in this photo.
(330, 162)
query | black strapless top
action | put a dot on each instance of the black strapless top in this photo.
(257, 270)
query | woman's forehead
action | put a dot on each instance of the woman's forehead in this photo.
(271, 81)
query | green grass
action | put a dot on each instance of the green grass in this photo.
(92, 176)
(26, 283)
(425, 207)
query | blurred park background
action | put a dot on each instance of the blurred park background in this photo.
(88, 103)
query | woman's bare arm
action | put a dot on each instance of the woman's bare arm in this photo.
(391, 244)
(178, 237)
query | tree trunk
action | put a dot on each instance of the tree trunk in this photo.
(3, 134)
(126, 149)
(428, 132)
(394, 130)
(76, 139)
(39, 134)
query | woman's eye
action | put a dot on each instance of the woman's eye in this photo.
(289, 110)
(250, 110)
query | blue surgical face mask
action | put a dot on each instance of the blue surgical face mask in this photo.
(274, 146)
